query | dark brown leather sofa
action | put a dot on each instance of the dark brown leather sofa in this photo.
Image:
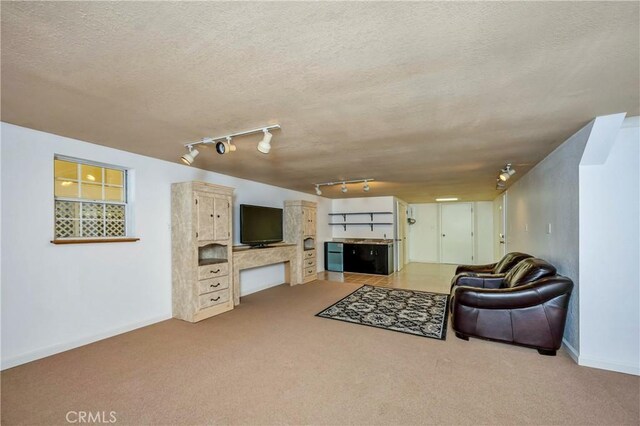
(469, 274)
(528, 307)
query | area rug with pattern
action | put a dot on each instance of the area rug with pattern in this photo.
(407, 311)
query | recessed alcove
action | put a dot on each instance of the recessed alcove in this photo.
(211, 254)
(309, 243)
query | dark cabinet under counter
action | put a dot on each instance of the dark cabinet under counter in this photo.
(368, 258)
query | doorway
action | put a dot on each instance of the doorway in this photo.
(401, 239)
(499, 226)
(456, 233)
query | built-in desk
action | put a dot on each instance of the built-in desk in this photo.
(245, 257)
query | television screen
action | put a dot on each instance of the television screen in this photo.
(260, 225)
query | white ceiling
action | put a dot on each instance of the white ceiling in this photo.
(430, 99)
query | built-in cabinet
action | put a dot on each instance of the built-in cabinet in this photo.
(213, 213)
(368, 258)
(201, 227)
(300, 229)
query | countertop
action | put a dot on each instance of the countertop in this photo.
(362, 241)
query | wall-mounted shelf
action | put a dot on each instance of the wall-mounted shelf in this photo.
(372, 224)
(370, 214)
(344, 215)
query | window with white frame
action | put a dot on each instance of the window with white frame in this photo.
(90, 199)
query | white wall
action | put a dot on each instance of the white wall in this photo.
(424, 235)
(362, 204)
(548, 196)
(56, 297)
(609, 246)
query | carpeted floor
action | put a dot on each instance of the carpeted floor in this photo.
(271, 361)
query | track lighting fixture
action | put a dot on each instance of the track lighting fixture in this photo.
(264, 146)
(190, 156)
(343, 185)
(224, 145)
(506, 173)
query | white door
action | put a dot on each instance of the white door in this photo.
(499, 226)
(456, 229)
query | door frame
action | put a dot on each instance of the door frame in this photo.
(401, 239)
(473, 231)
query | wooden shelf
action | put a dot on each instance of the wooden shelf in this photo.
(202, 262)
(372, 224)
(344, 215)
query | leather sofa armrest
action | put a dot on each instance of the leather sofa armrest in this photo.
(476, 268)
(524, 296)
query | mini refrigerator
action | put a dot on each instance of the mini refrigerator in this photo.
(333, 256)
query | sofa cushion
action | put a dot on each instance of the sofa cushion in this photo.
(528, 270)
(508, 261)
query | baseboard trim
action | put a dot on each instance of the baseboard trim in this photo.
(573, 353)
(611, 366)
(62, 347)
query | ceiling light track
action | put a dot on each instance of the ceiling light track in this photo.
(224, 144)
(343, 185)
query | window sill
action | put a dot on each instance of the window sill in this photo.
(94, 240)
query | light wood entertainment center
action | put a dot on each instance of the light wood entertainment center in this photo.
(206, 267)
(245, 257)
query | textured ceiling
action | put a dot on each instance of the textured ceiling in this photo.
(430, 99)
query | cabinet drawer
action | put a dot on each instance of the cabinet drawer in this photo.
(213, 284)
(308, 272)
(308, 254)
(212, 271)
(215, 298)
(309, 262)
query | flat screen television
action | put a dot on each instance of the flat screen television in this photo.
(259, 225)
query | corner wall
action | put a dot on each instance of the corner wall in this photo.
(542, 217)
(610, 248)
(57, 297)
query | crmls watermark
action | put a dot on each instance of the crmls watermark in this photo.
(91, 417)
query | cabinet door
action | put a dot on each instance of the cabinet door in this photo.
(312, 222)
(308, 221)
(350, 258)
(368, 255)
(222, 212)
(204, 217)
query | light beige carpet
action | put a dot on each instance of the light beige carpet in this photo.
(271, 361)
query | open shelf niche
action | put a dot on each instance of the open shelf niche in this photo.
(212, 254)
(370, 214)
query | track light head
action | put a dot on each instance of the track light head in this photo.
(318, 191)
(506, 173)
(190, 156)
(366, 187)
(344, 187)
(264, 146)
(225, 147)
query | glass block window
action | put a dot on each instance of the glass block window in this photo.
(90, 199)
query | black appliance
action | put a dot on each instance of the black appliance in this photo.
(333, 256)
